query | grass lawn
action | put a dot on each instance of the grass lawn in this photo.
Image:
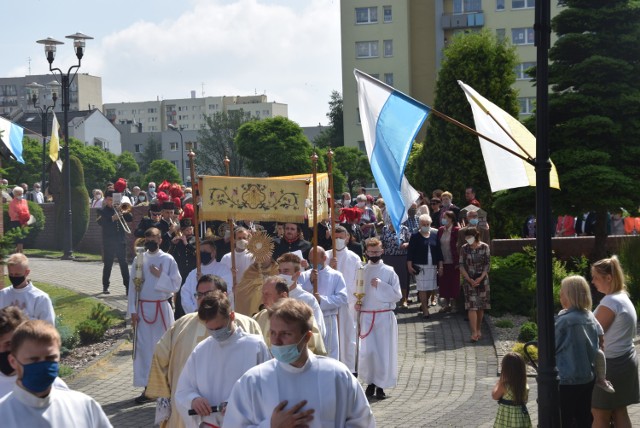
(54, 254)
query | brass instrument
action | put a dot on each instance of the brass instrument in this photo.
(122, 205)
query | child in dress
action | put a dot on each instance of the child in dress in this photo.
(512, 393)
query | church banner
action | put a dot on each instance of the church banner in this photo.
(282, 199)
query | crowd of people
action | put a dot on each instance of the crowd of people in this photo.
(297, 328)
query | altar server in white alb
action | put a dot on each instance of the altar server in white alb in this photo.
(22, 294)
(378, 363)
(347, 263)
(297, 388)
(217, 363)
(209, 266)
(243, 257)
(151, 314)
(34, 401)
(332, 295)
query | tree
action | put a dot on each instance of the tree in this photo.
(101, 165)
(275, 146)
(126, 165)
(31, 171)
(594, 108)
(354, 165)
(217, 141)
(152, 151)
(450, 158)
(161, 170)
(333, 136)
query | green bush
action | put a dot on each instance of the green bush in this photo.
(69, 339)
(79, 205)
(504, 324)
(528, 332)
(533, 351)
(629, 256)
(100, 314)
(90, 331)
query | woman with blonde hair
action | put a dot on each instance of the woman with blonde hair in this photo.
(618, 318)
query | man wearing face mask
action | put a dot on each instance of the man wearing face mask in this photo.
(242, 256)
(289, 268)
(177, 344)
(203, 384)
(378, 362)
(209, 266)
(10, 318)
(34, 302)
(151, 190)
(332, 294)
(275, 288)
(151, 313)
(347, 263)
(473, 221)
(35, 356)
(297, 388)
(292, 241)
(183, 250)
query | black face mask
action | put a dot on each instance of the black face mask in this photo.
(152, 246)
(374, 259)
(205, 258)
(16, 280)
(5, 367)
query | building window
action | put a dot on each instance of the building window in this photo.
(173, 147)
(187, 165)
(388, 79)
(500, 34)
(464, 6)
(367, 15)
(358, 116)
(175, 163)
(361, 146)
(523, 4)
(388, 17)
(521, 70)
(388, 48)
(527, 105)
(367, 49)
(499, 4)
(375, 75)
(522, 36)
(137, 148)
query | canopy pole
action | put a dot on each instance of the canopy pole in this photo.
(314, 273)
(196, 208)
(232, 237)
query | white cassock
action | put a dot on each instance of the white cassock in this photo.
(189, 302)
(34, 302)
(304, 296)
(213, 368)
(153, 309)
(61, 408)
(378, 327)
(326, 384)
(244, 259)
(348, 264)
(333, 295)
(7, 383)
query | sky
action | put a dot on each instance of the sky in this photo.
(163, 49)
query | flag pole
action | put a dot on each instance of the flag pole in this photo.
(196, 208)
(331, 201)
(314, 275)
(232, 236)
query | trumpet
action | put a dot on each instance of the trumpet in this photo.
(122, 205)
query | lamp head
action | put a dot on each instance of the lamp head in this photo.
(35, 88)
(79, 43)
(50, 48)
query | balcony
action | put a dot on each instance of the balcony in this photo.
(462, 20)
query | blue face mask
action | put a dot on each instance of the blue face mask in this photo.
(473, 221)
(444, 221)
(37, 377)
(286, 353)
(221, 334)
(320, 266)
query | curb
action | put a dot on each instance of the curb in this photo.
(106, 355)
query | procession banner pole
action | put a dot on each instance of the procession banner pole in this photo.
(196, 207)
(314, 161)
(331, 201)
(232, 237)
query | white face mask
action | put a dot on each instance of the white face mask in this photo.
(424, 229)
(227, 234)
(288, 278)
(361, 204)
(241, 244)
(340, 243)
(470, 240)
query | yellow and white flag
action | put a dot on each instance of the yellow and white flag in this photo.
(505, 170)
(54, 141)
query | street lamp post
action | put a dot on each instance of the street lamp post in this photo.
(179, 131)
(44, 114)
(65, 80)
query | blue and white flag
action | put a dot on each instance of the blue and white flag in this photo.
(390, 122)
(12, 138)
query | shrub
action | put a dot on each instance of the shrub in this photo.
(90, 331)
(504, 324)
(629, 256)
(79, 205)
(69, 339)
(528, 332)
(100, 314)
(533, 351)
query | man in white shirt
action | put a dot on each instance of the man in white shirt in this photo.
(347, 263)
(217, 363)
(209, 266)
(38, 196)
(34, 402)
(151, 314)
(297, 388)
(243, 259)
(34, 302)
(331, 294)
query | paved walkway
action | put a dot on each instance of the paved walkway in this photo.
(444, 380)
